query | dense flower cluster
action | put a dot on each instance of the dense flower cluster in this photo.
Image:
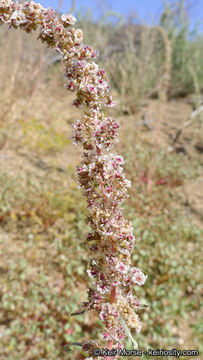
(100, 173)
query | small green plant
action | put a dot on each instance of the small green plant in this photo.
(40, 137)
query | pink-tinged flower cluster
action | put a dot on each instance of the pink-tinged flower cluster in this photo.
(100, 174)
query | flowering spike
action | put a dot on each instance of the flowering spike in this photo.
(100, 173)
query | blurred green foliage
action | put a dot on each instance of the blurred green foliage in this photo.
(134, 54)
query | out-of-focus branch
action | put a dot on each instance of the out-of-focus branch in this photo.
(73, 6)
(193, 115)
(59, 6)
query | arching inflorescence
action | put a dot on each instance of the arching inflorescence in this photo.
(100, 173)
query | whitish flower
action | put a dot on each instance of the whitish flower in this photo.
(78, 36)
(18, 17)
(68, 20)
(138, 277)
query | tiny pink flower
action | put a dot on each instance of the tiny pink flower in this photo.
(122, 268)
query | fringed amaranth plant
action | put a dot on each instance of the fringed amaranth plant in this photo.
(100, 173)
